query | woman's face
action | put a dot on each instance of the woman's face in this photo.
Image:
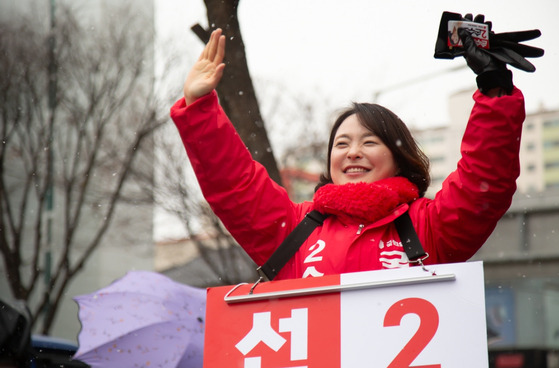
(358, 155)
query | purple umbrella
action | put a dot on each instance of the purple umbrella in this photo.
(142, 320)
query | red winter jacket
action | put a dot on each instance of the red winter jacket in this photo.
(451, 227)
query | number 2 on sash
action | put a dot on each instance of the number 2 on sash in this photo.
(428, 325)
(316, 248)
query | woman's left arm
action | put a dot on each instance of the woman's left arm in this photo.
(463, 214)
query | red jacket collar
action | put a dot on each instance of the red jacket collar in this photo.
(365, 202)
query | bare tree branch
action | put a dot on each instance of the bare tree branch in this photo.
(81, 144)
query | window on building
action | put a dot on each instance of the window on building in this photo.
(437, 178)
(431, 139)
(551, 165)
(551, 123)
(530, 146)
(436, 159)
(551, 144)
(552, 185)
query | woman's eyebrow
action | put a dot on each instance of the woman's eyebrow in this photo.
(342, 136)
(364, 135)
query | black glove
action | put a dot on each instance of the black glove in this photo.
(506, 47)
(492, 72)
(503, 46)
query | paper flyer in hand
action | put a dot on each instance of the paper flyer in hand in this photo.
(479, 32)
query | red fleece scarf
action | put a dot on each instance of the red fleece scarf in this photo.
(364, 202)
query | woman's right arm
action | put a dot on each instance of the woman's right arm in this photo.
(208, 69)
(257, 212)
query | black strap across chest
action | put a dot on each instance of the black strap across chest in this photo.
(292, 243)
(408, 236)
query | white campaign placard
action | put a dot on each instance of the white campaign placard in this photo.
(401, 318)
(430, 325)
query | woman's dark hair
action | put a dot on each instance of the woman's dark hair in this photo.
(412, 162)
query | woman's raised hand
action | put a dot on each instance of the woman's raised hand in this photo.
(208, 70)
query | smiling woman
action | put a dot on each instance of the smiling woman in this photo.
(369, 142)
(358, 155)
(375, 174)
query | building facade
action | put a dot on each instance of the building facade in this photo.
(521, 257)
(539, 148)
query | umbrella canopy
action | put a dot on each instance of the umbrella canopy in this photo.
(144, 319)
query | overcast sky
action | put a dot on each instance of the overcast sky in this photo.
(349, 50)
(343, 51)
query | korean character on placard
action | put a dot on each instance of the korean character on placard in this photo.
(262, 332)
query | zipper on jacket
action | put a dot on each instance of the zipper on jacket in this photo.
(360, 228)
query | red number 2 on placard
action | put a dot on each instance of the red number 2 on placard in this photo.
(428, 325)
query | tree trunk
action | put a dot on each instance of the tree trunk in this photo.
(236, 92)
